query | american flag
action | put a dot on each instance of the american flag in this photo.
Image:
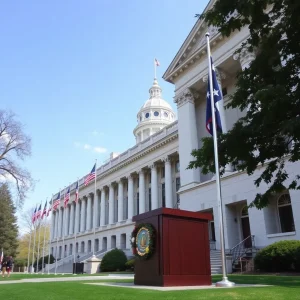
(33, 215)
(44, 210)
(38, 213)
(48, 211)
(77, 192)
(56, 202)
(67, 198)
(91, 176)
(217, 96)
(157, 63)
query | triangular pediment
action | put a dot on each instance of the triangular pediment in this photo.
(195, 41)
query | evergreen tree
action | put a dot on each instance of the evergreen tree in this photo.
(8, 223)
(268, 91)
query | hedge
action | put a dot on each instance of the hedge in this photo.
(278, 257)
(113, 260)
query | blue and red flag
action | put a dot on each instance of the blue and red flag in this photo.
(217, 96)
(56, 202)
(67, 197)
(44, 210)
(33, 215)
(91, 176)
(77, 192)
(38, 213)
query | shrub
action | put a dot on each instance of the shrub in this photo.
(130, 264)
(280, 256)
(113, 260)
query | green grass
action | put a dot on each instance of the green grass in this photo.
(284, 287)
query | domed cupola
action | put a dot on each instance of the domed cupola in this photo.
(154, 115)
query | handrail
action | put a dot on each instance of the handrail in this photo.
(240, 250)
(241, 242)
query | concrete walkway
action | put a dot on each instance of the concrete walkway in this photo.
(60, 279)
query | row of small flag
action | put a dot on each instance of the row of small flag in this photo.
(39, 214)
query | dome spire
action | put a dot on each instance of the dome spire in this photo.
(155, 90)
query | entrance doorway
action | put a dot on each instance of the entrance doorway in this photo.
(246, 231)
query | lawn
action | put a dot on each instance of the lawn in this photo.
(283, 287)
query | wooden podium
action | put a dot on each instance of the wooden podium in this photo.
(182, 253)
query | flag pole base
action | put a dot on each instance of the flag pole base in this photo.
(225, 283)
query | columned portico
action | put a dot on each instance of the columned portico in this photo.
(130, 197)
(111, 201)
(83, 213)
(88, 212)
(168, 182)
(188, 139)
(120, 200)
(102, 204)
(77, 216)
(154, 187)
(142, 191)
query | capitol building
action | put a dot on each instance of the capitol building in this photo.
(153, 173)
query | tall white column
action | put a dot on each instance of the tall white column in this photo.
(120, 200)
(83, 212)
(168, 183)
(96, 211)
(59, 222)
(89, 213)
(130, 197)
(71, 223)
(66, 223)
(77, 216)
(142, 196)
(102, 204)
(188, 139)
(154, 187)
(111, 207)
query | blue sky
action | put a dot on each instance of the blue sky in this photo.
(77, 72)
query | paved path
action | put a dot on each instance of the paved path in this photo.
(73, 278)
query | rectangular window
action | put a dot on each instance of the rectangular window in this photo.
(163, 195)
(177, 166)
(149, 199)
(162, 172)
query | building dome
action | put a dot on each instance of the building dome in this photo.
(155, 114)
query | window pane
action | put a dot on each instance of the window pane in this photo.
(286, 218)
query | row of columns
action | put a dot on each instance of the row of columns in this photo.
(87, 210)
(187, 125)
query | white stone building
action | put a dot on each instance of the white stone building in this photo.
(147, 176)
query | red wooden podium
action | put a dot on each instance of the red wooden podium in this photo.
(182, 253)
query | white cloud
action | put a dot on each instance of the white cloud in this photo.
(100, 149)
(87, 147)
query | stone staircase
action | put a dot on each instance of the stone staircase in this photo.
(215, 262)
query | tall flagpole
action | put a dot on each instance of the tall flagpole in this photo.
(75, 229)
(32, 270)
(38, 256)
(43, 260)
(154, 68)
(225, 282)
(51, 230)
(95, 196)
(63, 233)
(30, 233)
(57, 234)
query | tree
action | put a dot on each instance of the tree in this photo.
(268, 91)
(14, 144)
(8, 223)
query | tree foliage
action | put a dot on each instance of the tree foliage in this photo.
(8, 223)
(268, 91)
(14, 145)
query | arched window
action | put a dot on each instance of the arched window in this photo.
(285, 213)
(244, 212)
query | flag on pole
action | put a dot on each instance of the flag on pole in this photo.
(33, 215)
(67, 198)
(38, 213)
(56, 202)
(91, 176)
(217, 97)
(157, 63)
(44, 210)
(77, 192)
(48, 211)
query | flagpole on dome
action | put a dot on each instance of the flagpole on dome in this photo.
(224, 282)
